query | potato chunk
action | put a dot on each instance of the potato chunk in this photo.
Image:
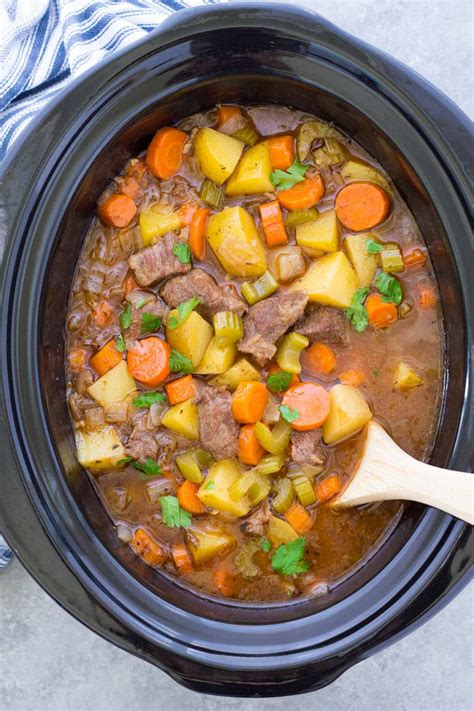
(280, 531)
(348, 413)
(154, 224)
(322, 234)
(205, 545)
(183, 419)
(252, 175)
(364, 263)
(217, 153)
(330, 280)
(223, 474)
(357, 170)
(191, 338)
(406, 378)
(234, 238)
(99, 450)
(216, 360)
(241, 370)
(114, 386)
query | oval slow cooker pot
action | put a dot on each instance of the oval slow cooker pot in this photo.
(48, 510)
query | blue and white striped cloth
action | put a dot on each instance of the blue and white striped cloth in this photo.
(46, 43)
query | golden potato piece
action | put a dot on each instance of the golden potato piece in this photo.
(321, 235)
(234, 239)
(330, 280)
(405, 378)
(99, 450)
(252, 175)
(223, 474)
(241, 370)
(205, 545)
(114, 386)
(216, 360)
(364, 263)
(217, 153)
(183, 419)
(191, 338)
(348, 413)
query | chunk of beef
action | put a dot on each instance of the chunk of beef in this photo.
(141, 443)
(267, 321)
(324, 323)
(152, 305)
(213, 297)
(157, 262)
(306, 447)
(218, 431)
(256, 523)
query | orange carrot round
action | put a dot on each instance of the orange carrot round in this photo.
(106, 358)
(223, 580)
(320, 358)
(272, 223)
(147, 548)
(249, 402)
(415, 258)
(149, 361)
(180, 389)
(186, 212)
(165, 152)
(182, 558)
(361, 206)
(380, 313)
(224, 113)
(117, 210)
(250, 449)
(426, 297)
(352, 377)
(282, 152)
(312, 404)
(302, 195)
(197, 231)
(102, 314)
(188, 500)
(299, 518)
(328, 487)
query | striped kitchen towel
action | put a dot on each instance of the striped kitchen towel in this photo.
(46, 43)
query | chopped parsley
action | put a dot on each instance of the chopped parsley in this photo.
(125, 317)
(357, 313)
(210, 485)
(120, 344)
(277, 382)
(266, 546)
(184, 310)
(149, 467)
(147, 399)
(288, 414)
(285, 179)
(373, 247)
(389, 287)
(173, 515)
(149, 323)
(180, 363)
(289, 558)
(182, 252)
(141, 302)
(125, 460)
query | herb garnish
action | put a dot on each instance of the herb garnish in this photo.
(285, 179)
(125, 460)
(149, 467)
(182, 252)
(287, 413)
(357, 313)
(149, 323)
(180, 363)
(266, 546)
(147, 399)
(288, 558)
(389, 287)
(120, 344)
(279, 381)
(173, 515)
(125, 317)
(184, 310)
(373, 247)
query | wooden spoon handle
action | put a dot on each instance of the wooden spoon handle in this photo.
(387, 472)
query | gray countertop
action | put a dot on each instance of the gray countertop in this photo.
(50, 662)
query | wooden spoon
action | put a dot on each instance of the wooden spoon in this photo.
(387, 472)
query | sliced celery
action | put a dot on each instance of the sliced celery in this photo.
(391, 260)
(212, 194)
(259, 489)
(189, 464)
(270, 464)
(228, 328)
(304, 490)
(289, 351)
(331, 153)
(259, 289)
(241, 485)
(284, 495)
(248, 135)
(274, 441)
(299, 217)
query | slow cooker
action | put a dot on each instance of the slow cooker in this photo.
(48, 510)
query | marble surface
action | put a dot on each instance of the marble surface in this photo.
(50, 662)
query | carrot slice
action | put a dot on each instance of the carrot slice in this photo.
(272, 223)
(320, 358)
(182, 558)
(224, 580)
(282, 152)
(380, 313)
(250, 449)
(415, 258)
(117, 210)
(275, 368)
(165, 152)
(197, 231)
(352, 377)
(186, 212)
(77, 359)
(187, 498)
(149, 361)
(302, 195)
(130, 182)
(180, 389)
(329, 487)
(147, 548)
(311, 402)
(224, 113)
(106, 358)
(299, 518)
(426, 297)
(249, 402)
(102, 314)
(361, 206)
(129, 284)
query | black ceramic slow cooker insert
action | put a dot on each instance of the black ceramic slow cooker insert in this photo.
(48, 510)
